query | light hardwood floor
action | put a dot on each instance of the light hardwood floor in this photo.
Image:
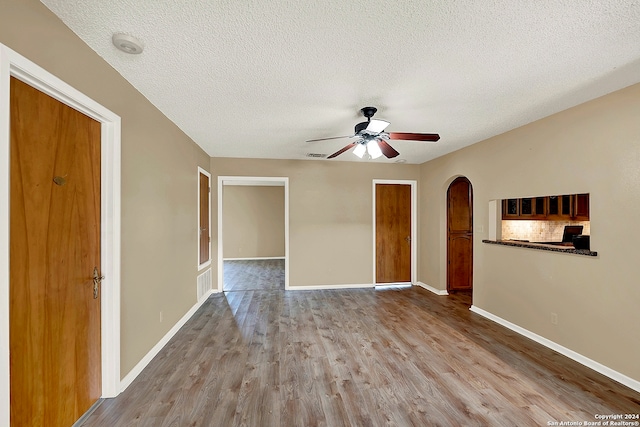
(397, 357)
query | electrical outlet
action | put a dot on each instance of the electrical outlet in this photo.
(554, 318)
(160, 317)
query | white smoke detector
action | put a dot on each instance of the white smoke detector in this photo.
(127, 43)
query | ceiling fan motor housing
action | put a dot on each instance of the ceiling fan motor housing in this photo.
(360, 127)
(368, 112)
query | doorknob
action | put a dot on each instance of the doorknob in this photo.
(97, 279)
(408, 239)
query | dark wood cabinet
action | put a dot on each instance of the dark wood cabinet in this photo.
(533, 208)
(560, 208)
(554, 206)
(510, 209)
(526, 207)
(581, 207)
(540, 207)
(566, 207)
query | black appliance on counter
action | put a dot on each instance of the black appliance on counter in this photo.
(582, 242)
(573, 234)
(570, 231)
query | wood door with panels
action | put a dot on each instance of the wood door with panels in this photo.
(460, 235)
(54, 279)
(204, 232)
(393, 233)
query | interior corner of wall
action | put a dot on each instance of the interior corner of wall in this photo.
(493, 220)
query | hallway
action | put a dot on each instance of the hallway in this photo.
(251, 275)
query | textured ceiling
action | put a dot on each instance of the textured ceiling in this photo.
(249, 78)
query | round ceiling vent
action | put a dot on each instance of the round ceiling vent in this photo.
(127, 43)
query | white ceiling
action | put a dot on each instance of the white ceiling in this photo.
(251, 78)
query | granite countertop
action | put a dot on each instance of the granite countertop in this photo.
(543, 247)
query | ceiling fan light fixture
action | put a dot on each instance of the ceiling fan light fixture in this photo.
(359, 150)
(374, 149)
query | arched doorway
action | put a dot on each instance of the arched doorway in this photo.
(460, 235)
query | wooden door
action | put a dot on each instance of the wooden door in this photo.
(55, 355)
(204, 218)
(460, 235)
(393, 233)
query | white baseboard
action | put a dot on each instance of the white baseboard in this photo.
(382, 286)
(323, 287)
(598, 367)
(432, 289)
(259, 258)
(133, 374)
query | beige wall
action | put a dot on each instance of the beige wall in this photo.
(159, 178)
(330, 214)
(592, 148)
(253, 221)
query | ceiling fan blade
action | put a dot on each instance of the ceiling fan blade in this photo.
(428, 137)
(377, 126)
(337, 153)
(387, 150)
(326, 139)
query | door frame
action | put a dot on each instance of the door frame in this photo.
(414, 222)
(15, 65)
(253, 181)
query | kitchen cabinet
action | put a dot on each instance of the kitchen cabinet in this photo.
(560, 208)
(510, 209)
(527, 207)
(581, 207)
(567, 207)
(554, 206)
(541, 207)
(532, 208)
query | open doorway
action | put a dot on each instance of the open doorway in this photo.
(253, 275)
(253, 225)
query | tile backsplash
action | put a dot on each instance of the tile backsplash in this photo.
(539, 231)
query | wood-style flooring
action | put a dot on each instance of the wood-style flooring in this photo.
(393, 357)
(254, 274)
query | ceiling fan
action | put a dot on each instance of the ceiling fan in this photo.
(372, 138)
